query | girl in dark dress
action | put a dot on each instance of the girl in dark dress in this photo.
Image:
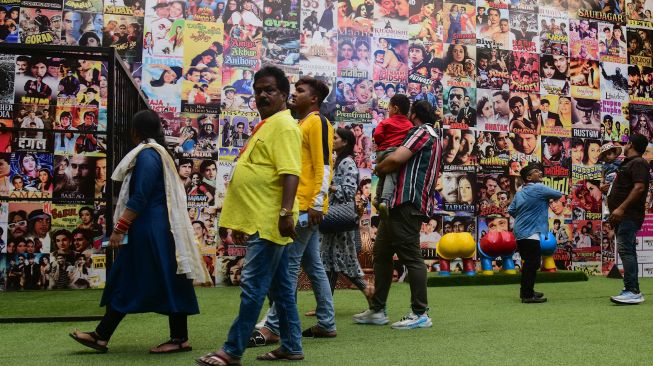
(144, 278)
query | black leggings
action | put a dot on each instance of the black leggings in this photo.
(178, 325)
(359, 282)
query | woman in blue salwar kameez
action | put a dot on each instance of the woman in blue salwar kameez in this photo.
(144, 277)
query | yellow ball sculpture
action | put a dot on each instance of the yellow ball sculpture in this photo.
(456, 245)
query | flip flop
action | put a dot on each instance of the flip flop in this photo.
(173, 341)
(278, 354)
(90, 343)
(258, 340)
(215, 359)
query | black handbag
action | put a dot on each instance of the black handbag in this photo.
(341, 217)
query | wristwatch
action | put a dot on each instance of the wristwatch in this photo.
(285, 212)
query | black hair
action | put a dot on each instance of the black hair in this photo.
(318, 88)
(83, 40)
(525, 171)
(402, 102)
(348, 137)
(146, 124)
(282, 82)
(206, 163)
(86, 208)
(423, 111)
(639, 142)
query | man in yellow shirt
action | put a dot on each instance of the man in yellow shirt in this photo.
(261, 210)
(317, 148)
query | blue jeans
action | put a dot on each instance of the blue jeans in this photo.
(265, 273)
(626, 232)
(305, 251)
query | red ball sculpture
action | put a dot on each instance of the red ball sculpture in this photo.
(498, 244)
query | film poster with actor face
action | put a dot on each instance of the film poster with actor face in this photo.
(40, 23)
(585, 78)
(318, 33)
(460, 24)
(422, 23)
(641, 120)
(525, 74)
(10, 28)
(354, 56)
(161, 84)
(202, 81)
(492, 68)
(356, 16)
(640, 83)
(640, 46)
(125, 34)
(612, 43)
(30, 173)
(524, 28)
(584, 39)
(615, 126)
(74, 177)
(281, 43)
(554, 37)
(197, 136)
(492, 25)
(33, 84)
(494, 193)
(587, 118)
(549, 116)
(390, 59)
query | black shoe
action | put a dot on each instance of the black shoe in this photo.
(535, 294)
(533, 300)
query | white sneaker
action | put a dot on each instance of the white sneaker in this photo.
(412, 321)
(369, 316)
(261, 324)
(628, 297)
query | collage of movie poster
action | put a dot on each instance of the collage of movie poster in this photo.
(53, 159)
(512, 82)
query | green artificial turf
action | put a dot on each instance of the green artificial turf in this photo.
(474, 325)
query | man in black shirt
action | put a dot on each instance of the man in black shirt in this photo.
(626, 202)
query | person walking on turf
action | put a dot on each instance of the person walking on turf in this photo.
(627, 205)
(155, 270)
(261, 210)
(317, 149)
(530, 210)
(417, 160)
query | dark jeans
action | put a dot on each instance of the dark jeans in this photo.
(399, 234)
(625, 234)
(178, 325)
(530, 252)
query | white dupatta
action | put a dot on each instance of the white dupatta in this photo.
(187, 251)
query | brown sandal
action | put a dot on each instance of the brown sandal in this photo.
(216, 359)
(178, 342)
(278, 354)
(90, 343)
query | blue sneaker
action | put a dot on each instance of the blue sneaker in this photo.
(628, 298)
(412, 321)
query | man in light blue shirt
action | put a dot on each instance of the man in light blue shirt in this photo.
(530, 210)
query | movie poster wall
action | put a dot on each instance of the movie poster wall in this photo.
(510, 83)
(53, 171)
